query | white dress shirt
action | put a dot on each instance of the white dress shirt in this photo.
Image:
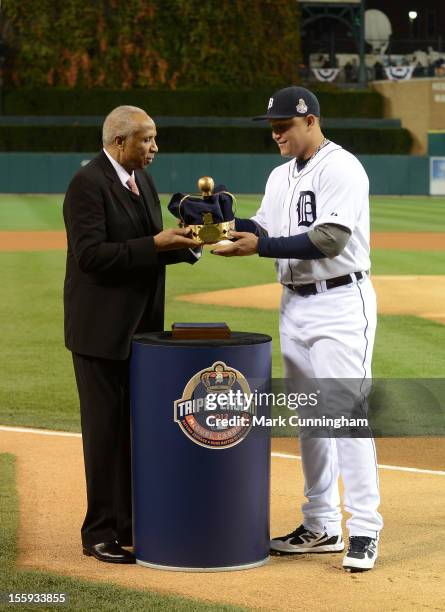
(121, 172)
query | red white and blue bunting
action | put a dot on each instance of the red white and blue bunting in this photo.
(399, 73)
(326, 74)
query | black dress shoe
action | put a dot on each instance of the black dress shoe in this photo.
(110, 552)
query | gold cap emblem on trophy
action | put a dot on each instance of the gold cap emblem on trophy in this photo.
(210, 214)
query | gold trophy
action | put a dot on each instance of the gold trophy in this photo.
(208, 232)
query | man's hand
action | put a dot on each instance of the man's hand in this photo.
(246, 244)
(172, 239)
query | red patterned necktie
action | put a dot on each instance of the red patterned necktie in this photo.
(132, 184)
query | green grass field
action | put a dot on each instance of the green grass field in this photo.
(37, 380)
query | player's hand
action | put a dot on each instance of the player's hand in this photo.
(245, 244)
(172, 239)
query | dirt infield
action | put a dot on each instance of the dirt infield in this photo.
(409, 574)
(32, 241)
(408, 241)
(404, 241)
(421, 296)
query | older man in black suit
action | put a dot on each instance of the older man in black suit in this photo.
(114, 287)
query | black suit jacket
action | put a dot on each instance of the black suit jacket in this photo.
(115, 279)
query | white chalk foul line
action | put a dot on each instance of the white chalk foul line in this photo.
(396, 468)
(68, 434)
(41, 432)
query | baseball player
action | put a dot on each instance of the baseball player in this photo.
(314, 220)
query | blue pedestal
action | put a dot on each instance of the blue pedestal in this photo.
(200, 487)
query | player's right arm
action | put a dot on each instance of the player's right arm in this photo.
(258, 223)
(255, 225)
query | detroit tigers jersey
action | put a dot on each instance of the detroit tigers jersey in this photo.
(332, 188)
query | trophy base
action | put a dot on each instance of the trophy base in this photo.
(200, 331)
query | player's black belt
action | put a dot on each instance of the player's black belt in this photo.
(338, 281)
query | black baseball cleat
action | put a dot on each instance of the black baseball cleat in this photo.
(304, 541)
(362, 554)
(110, 552)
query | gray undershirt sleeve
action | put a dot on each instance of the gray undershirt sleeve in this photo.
(329, 238)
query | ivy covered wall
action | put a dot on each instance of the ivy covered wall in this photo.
(167, 44)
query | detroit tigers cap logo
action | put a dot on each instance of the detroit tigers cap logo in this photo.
(301, 106)
(270, 103)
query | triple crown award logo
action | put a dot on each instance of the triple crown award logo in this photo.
(213, 410)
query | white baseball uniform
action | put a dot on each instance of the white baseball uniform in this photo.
(329, 334)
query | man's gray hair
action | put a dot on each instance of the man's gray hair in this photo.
(120, 122)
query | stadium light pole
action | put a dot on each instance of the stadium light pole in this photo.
(412, 17)
(2, 57)
(362, 66)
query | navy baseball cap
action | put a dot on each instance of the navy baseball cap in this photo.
(291, 102)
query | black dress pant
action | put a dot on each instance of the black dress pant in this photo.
(103, 386)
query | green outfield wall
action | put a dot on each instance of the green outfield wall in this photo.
(241, 173)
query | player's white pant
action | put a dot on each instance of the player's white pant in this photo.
(331, 335)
